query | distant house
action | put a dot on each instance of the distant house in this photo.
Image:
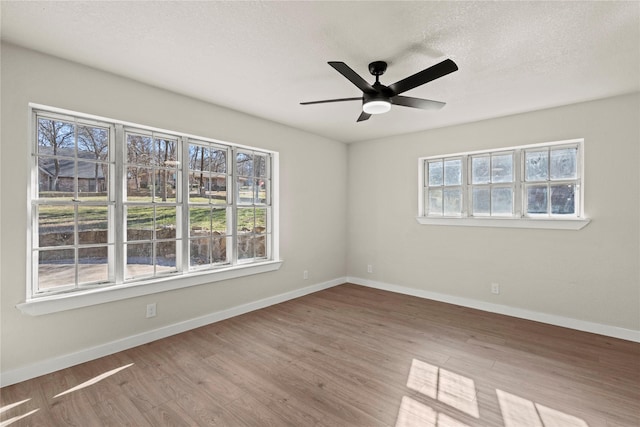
(90, 174)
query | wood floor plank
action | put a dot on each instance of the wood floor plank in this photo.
(348, 356)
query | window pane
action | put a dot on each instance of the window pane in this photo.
(481, 201)
(165, 185)
(452, 201)
(199, 252)
(261, 190)
(196, 157)
(502, 201)
(261, 220)
(219, 221)
(480, 170)
(93, 143)
(218, 192)
(260, 164)
(219, 250)
(563, 199)
(246, 220)
(502, 168)
(200, 186)
(166, 257)
(140, 150)
(245, 190)
(199, 221)
(260, 246)
(56, 177)
(217, 160)
(56, 137)
(93, 180)
(537, 199)
(56, 225)
(93, 265)
(93, 224)
(139, 260)
(435, 173)
(165, 224)
(245, 245)
(139, 223)
(536, 165)
(139, 184)
(434, 202)
(563, 163)
(166, 152)
(56, 268)
(453, 172)
(244, 164)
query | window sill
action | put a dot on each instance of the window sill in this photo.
(63, 302)
(543, 223)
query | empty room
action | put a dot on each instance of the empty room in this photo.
(309, 213)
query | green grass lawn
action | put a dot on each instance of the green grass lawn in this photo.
(142, 217)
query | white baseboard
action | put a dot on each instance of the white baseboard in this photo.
(68, 360)
(566, 322)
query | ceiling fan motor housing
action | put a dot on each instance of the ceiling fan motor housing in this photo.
(377, 68)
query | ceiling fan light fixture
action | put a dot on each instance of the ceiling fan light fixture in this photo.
(376, 107)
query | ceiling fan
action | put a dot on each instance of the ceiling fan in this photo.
(377, 98)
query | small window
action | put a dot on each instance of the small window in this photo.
(542, 181)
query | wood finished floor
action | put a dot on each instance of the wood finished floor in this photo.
(349, 356)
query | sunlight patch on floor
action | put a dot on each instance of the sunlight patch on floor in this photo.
(448, 387)
(93, 380)
(17, 418)
(13, 405)
(518, 411)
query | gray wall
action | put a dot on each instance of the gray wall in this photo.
(312, 205)
(591, 275)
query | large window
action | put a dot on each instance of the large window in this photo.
(117, 204)
(542, 181)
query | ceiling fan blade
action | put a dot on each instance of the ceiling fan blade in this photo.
(425, 104)
(331, 100)
(425, 76)
(352, 76)
(363, 116)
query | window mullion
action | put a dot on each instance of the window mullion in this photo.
(235, 196)
(518, 187)
(464, 189)
(117, 225)
(183, 224)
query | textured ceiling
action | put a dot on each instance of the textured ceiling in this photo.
(263, 58)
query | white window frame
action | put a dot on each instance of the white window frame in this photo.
(118, 287)
(519, 219)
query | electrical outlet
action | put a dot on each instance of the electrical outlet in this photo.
(495, 288)
(305, 275)
(151, 310)
(369, 268)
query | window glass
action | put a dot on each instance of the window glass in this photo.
(563, 163)
(480, 169)
(563, 199)
(502, 201)
(453, 172)
(435, 173)
(481, 203)
(537, 165)
(537, 199)
(502, 168)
